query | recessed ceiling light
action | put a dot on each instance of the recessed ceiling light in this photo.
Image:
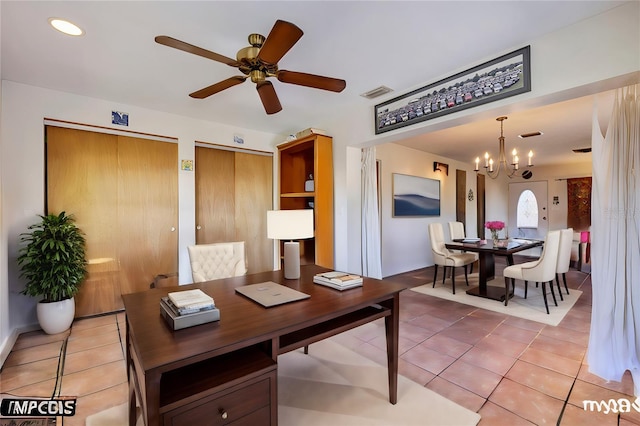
(66, 27)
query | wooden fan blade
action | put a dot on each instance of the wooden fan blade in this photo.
(282, 37)
(312, 80)
(189, 48)
(218, 87)
(269, 97)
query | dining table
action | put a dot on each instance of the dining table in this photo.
(486, 258)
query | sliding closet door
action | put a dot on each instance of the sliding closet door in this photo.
(215, 196)
(123, 192)
(82, 180)
(147, 210)
(253, 197)
(233, 193)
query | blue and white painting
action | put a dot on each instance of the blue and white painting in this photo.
(415, 196)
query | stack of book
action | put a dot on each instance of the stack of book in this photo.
(338, 280)
(182, 309)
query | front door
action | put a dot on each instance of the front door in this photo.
(528, 212)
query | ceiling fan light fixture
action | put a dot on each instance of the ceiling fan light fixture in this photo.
(66, 27)
(257, 76)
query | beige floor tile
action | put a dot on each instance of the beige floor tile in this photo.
(94, 379)
(583, 391)
(475, 379)
(541, 379)
(457, 394)
(34, 353)
(578, 416)
(92, 341)
(527, 403)
(84, 323)
(514, 333)
(43, 389)
(625, 385)
(494, 415)
(559, 347)
(447, 345)
(26, 374)
(489, 360)
(83, 360)
(36, 338)
(93, 331)
(98, 401)
(502, 345)
(551, 361)
(428, 359)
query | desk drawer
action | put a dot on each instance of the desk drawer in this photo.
(247, 403)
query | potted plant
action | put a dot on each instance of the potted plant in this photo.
(54, 265)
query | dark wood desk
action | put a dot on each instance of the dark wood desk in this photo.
(176, 373)
(486, 259)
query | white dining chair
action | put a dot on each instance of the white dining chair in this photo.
(456, 231)
(564, 258)
(444, 257)
(542, 270)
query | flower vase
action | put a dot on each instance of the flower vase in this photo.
(494, 237)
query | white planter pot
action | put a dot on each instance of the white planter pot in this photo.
(56, 317)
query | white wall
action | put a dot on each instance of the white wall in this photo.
(23, 110)
(594, 55)
(405, 241)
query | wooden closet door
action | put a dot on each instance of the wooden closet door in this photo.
(82, 180)
(233, 193)
(147, 210)
(215, 195)
(253, 197)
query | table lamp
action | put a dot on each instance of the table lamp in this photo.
(290, 225)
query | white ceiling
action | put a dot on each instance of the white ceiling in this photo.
(397, 44)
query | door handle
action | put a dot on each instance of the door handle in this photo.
(173, 229)
(198, 227)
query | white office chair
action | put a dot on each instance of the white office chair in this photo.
(218, 260)
(564, 258)
(456, 230)
(542, 270)
(444, 257)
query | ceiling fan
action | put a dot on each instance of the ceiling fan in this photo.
(258, 62)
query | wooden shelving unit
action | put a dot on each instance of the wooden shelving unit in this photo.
(298, 160)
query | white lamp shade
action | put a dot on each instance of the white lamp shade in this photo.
(289, 224)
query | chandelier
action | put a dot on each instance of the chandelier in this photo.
(492, 171)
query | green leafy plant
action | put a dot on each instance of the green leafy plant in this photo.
(53, 259)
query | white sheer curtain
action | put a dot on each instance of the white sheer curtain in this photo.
(371, 258)
(614, 343)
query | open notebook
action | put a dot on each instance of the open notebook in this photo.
(271, 294)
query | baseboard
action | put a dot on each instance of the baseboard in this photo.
(7, 345)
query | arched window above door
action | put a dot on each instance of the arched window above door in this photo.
(527, 210)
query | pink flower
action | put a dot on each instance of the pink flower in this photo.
(496, 225)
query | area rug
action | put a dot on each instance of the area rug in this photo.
(334, 386)
(531, 308)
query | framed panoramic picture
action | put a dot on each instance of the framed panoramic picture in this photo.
(499, 78)
(415, 196)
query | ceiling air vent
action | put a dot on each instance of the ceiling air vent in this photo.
(530, 135)
(582, 150)
(378, 91)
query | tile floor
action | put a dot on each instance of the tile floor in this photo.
(511, 371)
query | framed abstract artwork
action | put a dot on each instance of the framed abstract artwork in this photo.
(415, 196)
